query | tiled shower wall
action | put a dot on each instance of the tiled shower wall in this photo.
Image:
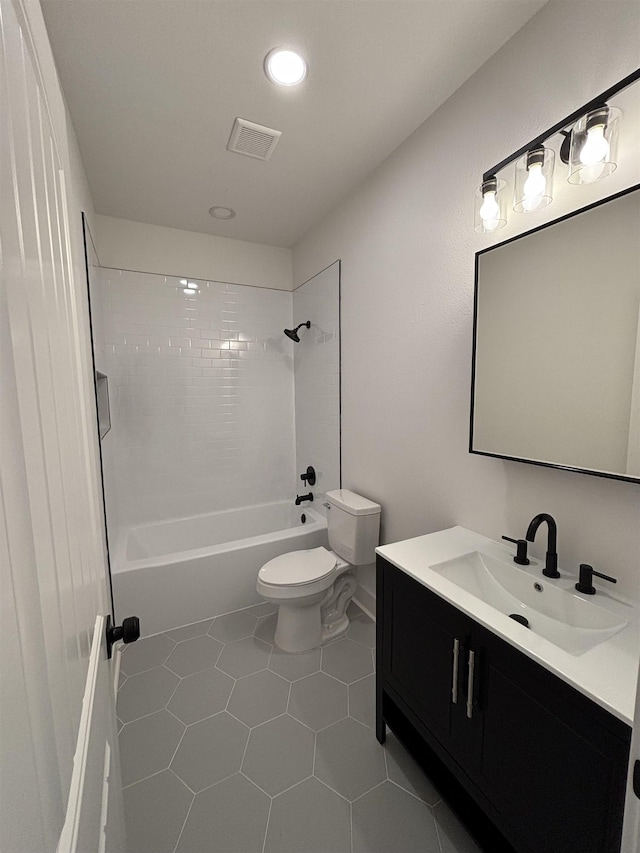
(317, 380)
(202, 400)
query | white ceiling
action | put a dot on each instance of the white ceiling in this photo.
(153, 87)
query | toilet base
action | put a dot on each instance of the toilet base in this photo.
(302, 627)
(330, 632)
(334, 609)
(299, 629)
(297, 633)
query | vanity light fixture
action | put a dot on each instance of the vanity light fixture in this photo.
(593, 145)
(285, 67)
(589, 149)
(534, 178)
(489, 213)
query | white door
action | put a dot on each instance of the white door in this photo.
(59, 768)
(94, 819)
(631, 835)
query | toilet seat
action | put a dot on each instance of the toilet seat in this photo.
(298, 568)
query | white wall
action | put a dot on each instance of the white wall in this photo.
(407, 246)
(137, 246)
(201, 390)
(317, 382)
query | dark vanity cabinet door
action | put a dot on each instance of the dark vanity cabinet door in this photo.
(547, 765)
(552, 762)
(425, 660)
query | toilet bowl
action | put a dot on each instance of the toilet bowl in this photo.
(313, 588)
(306, 586)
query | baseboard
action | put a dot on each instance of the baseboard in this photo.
(366, 602)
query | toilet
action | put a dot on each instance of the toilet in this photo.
(313, 588)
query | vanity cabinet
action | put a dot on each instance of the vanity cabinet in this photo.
(543, 762)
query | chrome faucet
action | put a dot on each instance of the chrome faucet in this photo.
(551, 560)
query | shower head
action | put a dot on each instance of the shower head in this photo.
(293, 333)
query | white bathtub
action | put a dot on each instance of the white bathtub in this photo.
(173, 573)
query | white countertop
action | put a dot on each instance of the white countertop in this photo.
(607, 674)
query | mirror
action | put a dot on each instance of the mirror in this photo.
(556, 349)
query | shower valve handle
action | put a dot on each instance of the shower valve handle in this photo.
(309, 477)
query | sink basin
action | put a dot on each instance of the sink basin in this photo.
(557, 614)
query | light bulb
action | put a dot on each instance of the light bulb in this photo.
(594, 138)
(596, 148)
(285, 67)
(594, 154)
(534, 187)
(490, 211)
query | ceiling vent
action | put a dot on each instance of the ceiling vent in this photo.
(252, 139)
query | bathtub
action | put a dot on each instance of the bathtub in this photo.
(173, 573)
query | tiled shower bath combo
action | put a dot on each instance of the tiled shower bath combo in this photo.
(214, 413)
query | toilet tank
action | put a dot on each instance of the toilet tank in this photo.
(354, 525)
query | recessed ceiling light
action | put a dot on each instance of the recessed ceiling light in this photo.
(189, 290)
(285, 67)
(222, 212)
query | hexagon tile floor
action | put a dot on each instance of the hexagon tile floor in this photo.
(229, 745)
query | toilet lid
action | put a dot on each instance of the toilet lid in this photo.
(298, 567)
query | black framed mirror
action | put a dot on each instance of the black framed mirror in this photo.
(556, 343)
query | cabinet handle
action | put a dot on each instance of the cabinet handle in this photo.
(454, 677)
(472, 663)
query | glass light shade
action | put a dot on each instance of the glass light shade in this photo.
(594, 146)
(534, 180)
(490, 212)
(285, 67)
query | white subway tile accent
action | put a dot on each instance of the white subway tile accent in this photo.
(201, 393)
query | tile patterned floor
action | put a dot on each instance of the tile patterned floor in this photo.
(229, 745)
